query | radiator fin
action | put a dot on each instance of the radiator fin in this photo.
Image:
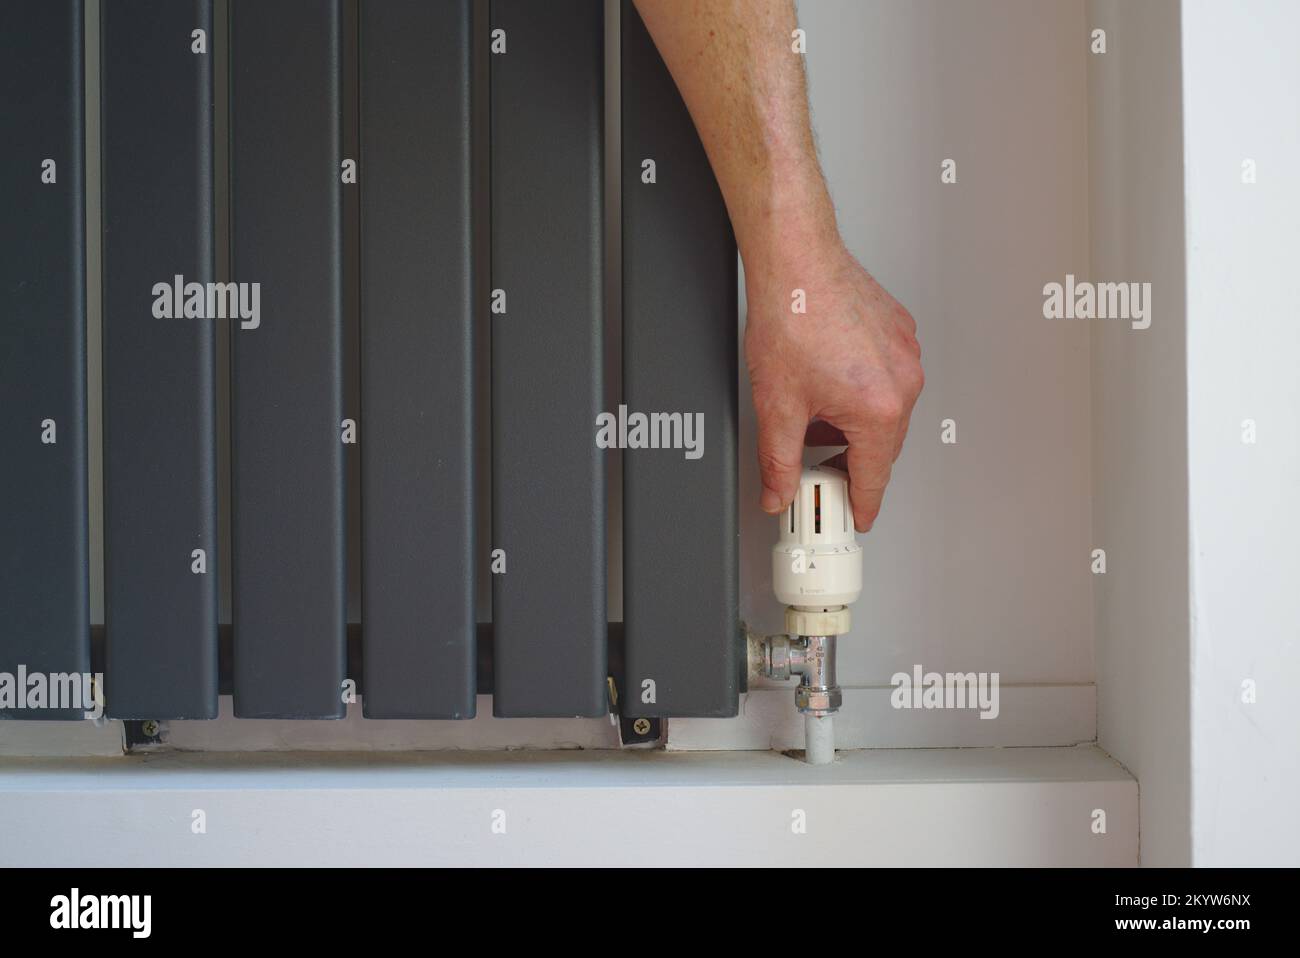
(417, 360)
(287, 413)
(548, 482)
(159, 399)
(680, 530)
(44, 565)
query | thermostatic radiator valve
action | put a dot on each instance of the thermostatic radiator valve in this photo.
(817, 573)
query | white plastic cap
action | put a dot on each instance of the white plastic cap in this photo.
(817, 563)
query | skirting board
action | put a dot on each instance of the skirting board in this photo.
(1032, 806)
(1029, 715)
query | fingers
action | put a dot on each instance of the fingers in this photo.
(913, 383)
(902, 434)
(780, 453)
(870, 459)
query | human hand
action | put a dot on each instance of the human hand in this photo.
(851, 362)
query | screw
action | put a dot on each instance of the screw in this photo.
(150, 728)
(641, 726)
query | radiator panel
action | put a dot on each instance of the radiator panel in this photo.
(44, 584)
(417, 361)
(288, 588)
(160, 500)
(680, 529)
(548, 494)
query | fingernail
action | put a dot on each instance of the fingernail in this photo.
(771, 502)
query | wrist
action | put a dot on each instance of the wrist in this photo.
(797, 257)
(790, 236)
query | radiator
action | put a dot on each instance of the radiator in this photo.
(430, 305)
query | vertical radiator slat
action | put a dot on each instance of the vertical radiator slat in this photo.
(288, 589)
(548, 498)
(680, 532)
(44, 567)
(160, 502)
(417, 354)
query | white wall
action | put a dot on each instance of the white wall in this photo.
(1200, 526)
(1241, 82)
(1139, 401)
(980, 558)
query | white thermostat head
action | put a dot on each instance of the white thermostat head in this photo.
(817, 564)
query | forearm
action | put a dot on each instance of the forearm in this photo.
(744, 86)
(848, 356)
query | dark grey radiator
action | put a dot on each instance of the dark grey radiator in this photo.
(481, 248)
(44, 550)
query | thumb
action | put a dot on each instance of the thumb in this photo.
(781, 430)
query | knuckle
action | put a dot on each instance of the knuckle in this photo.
(771, 460)
(886, 406)
(913, 377)
(772, 400)
(765, 404)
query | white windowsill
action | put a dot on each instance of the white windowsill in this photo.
(975, 806)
